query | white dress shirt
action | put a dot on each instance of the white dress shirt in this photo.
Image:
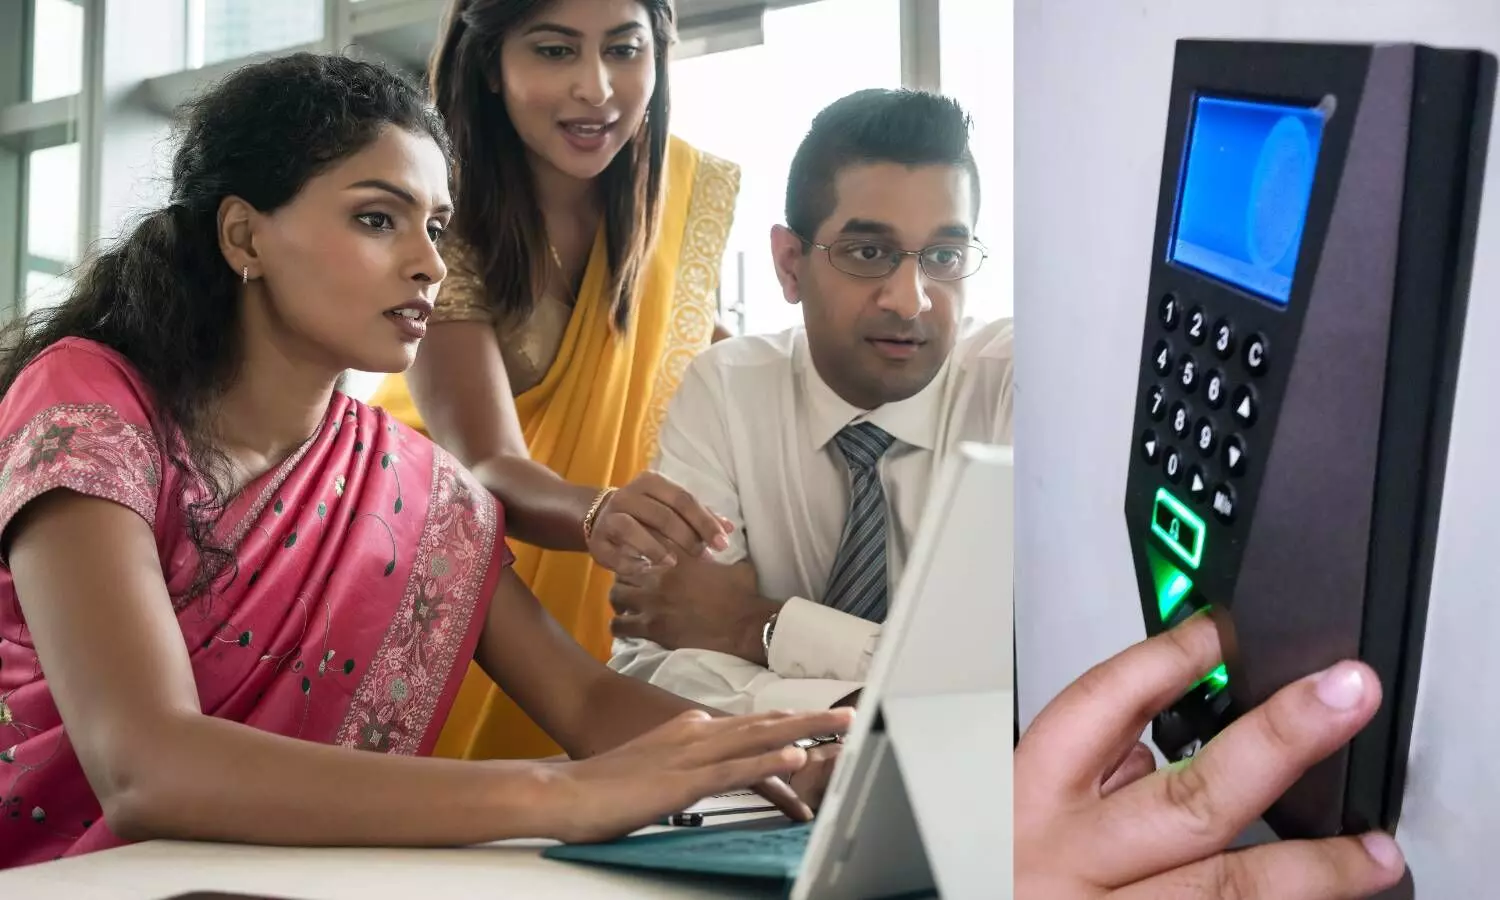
(750, 435)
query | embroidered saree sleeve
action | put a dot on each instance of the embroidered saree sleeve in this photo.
(461, 298)
(363, 569)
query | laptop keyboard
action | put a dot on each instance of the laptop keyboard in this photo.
(752, 850)
(787, 843)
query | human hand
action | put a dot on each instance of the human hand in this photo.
(810, 782)
(648, 522)
(1093, 820)
(675, 765)
(697, 604)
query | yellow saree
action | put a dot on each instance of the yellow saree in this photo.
(594, 418)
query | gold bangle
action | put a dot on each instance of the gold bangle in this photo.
(593, 513)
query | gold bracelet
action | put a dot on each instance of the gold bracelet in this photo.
(593, 513)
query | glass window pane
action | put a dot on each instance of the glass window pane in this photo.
(52, 203)
(57, 49)
(719, 104)
(978, 70)
(236, 28)
(43, 290)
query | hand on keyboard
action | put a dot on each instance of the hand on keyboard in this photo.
(1093, 820)
(691, 757)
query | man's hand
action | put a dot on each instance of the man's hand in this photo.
(811, 781)
(696, 604)
(1093, 820)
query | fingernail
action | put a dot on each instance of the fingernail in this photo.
(1342, 686)
(669, 560)
(721, 543)
(1382, 848)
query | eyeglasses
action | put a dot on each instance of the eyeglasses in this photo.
(866, 258)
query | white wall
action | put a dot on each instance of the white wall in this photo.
(1091, 90)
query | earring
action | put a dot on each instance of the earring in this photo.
(245, 275)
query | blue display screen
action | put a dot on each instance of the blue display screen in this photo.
(1246, 182)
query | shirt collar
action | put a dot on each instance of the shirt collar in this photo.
(914, 421)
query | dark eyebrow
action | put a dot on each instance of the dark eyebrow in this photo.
(866, 226)
(565, 31)
(954, 230)
(401, 194)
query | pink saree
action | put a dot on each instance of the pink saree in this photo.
(365, 565)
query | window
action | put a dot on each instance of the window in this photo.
(978, 70)
(57, 49)
(222, 30)
(51, 223)
(753, 106)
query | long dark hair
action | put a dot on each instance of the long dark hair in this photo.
(165, 298)
(498, 216)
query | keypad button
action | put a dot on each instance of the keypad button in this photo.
(1255, 355)
(1197, 484)
(1169, 311)
(1204, 438)
(1171, 464)
(1182, 419)
(1156, 403)
(1214, 388)
(1150, 446)
(1223, 339)
(1244, 406)
(1187, 373)
(1161, 358)
(1223, 504)
(1197, 326)
(1234, 456)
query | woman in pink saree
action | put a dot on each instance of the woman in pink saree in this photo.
(218, 575)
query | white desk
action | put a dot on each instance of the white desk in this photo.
(156, 870)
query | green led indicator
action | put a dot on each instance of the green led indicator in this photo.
(1216, 680)
(1171, 594)
(1178, 527)
(1171, 583)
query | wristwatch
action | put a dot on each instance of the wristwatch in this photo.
(768, 631)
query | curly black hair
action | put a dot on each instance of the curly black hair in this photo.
(165, 298)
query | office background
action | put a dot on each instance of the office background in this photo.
(87, 88)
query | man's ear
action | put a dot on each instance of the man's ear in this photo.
(237, 220)
(787, 253)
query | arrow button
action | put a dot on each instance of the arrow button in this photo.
(1197, 486)
(1246, 410)
(1150, 447)
(1234, 456)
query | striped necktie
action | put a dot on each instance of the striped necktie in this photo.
(858, 584)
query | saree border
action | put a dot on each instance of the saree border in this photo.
(710, 217)
(409, 675)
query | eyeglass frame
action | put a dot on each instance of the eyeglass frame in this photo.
(899, 254)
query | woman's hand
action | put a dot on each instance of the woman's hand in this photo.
(1094, 821)
(648, 522)
(693, 756)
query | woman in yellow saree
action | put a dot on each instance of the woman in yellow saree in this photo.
(583, 266)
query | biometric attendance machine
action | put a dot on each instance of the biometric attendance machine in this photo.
(1314, 237)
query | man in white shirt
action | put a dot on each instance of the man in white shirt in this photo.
(818, 444)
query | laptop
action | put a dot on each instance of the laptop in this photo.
(920, 800)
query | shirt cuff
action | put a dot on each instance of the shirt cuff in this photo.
(816, 641)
